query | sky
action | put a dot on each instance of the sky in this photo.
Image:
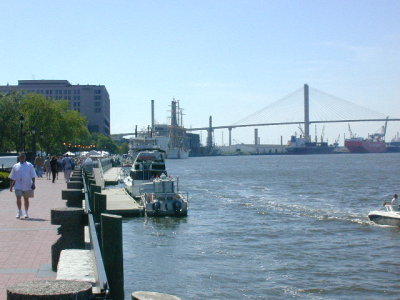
(219, 58)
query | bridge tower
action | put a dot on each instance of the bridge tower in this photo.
(152, 116)
(306, 113)
(209, 136)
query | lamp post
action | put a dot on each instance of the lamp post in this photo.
(33, 131)
(41, 143)
(21, 124)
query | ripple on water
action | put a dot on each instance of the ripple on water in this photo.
(268, 226)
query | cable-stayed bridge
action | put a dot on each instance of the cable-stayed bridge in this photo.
(304, 106)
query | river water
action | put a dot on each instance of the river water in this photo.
(272, 227)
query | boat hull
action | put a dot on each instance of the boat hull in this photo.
(166, 208)
(309, 150)
(177, 153)
(385, 218)
(365, 146)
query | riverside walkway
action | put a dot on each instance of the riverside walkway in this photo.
(25, 245)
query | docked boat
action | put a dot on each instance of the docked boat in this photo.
(374, 143)
(394, 145)
(369, 145)
(147, 165)
(301, 145)
(388, 216)
(161, 197)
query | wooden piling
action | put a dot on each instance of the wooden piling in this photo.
(111, 236)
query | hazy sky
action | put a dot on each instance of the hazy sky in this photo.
(222, 58)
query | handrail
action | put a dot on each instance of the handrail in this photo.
(101, 276)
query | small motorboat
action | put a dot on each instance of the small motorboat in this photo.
(162, 198)
(388, 216)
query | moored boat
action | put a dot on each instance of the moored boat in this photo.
(147, 166)
(301, 145)
(361, 145)
(374, 143)
(163, 198)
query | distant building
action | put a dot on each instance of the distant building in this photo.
(92, 101)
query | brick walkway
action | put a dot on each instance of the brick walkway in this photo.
(25, 245)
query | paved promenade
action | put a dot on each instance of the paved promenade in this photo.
(25, 245)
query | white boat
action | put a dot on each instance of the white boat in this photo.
(162, 198)
(177, 153)
(388, 216)
(146, 166)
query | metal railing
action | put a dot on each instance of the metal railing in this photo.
(101, 276)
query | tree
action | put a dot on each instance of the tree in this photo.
(123, 148)
(9, 122)
(104, 143)
(54, 118)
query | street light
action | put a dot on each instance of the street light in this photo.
(21, 124)
(41, 143)
(33, 131)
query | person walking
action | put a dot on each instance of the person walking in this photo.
(60, 165)
(68, 166)
(54, 167)
(47, 167)
(39, 166)
(22, 179)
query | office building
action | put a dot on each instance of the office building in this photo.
(92, 101)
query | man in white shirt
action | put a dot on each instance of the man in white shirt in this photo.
(395, 203)
(22, 179)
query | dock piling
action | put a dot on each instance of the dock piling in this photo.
(111, 237)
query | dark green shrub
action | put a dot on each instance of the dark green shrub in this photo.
(5, 181)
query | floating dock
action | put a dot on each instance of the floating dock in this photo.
(119, 202)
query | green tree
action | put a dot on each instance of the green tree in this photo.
(123, 148)
(104, 143)
(9, 122)
(54, 118)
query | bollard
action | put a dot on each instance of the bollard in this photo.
(50, 290)
(76, 178)
(100, 206)
(74, 197)
(111, 236)
(78, 185)
(93, 189)
(72, 221)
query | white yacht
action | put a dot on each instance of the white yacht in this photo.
(147, 165)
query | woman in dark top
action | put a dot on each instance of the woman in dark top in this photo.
(54, 167)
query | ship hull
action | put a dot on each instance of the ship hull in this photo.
(365, 146)
(310, 150)
(177, 153)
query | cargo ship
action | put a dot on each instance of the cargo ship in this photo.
(362, 145)
(301, 145)
(394, 145)
(375, 143)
